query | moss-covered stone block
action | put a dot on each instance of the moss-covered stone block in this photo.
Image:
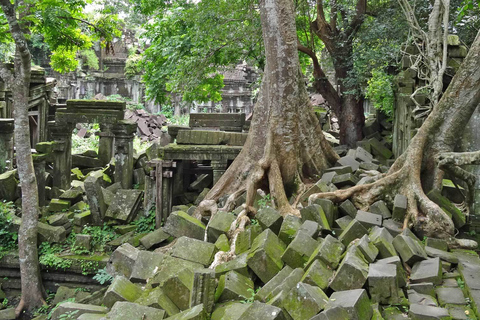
(239, 264)
(8, 186)
(448, 207)
(57, 205)
(318, 274)
(194, 250)
(329, 251)
(156, 298)
(299, 250)
(245, 238)
(123, 310)
(180, 224)
(229, 311)
(289, 228)
(233, 286)
(269, 218)
(352, 272)
(219, 224)
(304, 301)
(121, 289)
(355, 302)
(315, 213)
(222, 243)
(355, 230)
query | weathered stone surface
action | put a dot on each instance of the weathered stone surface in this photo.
(50, 233)
(368, 219)
(269, 287)
(64, 293)
(277, 294)
(318, 274)
(383, 240)
(393, 227)
(156, 298)
(363, 155)
(421, 312)
(122, 260)
(423, 299)
(83, 241)
(395, 260)
(459, 312)
(304, 301)
(222, 243)
(177, 285)
(450, 296)
(338, 170)
(348, 161)
(347, 208)
(351, 274)
(121, 289)
(122, 310)
(233, 286)
(229, 311)
(443, 255)
(245, 238)
(382, 283)
(299, 250)
(289, 228)
(334, 313)
(181, 224)
(7, 314)
(269, 218)
(367, 248)
(196, 313)
(343, 222)
(409, 250)
(194, 250)
(258, 310)
(67, 307)
(329, 208)
(355, 302)
(399, 207)
(426, 288)
(355, 230)
(125, 205)
(311, 228)
(439, 244)
(379, 150)
(8, 186)
(239, 264)
(329, 252)
(83, 218)
(57, 220)
(74, 195)
(429, 270)
(315, 213)
(344, 180)
(219, 224)
(380, 208)
(57, 205)
(146, 265)
(93, 190)
(203, 290)
(154, 239)
(265, 255)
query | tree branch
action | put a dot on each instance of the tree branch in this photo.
(16, 32)
(357, 20)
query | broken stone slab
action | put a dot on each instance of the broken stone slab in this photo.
(347, 208)
(420, 312)
(344, 180)
(78, 308)
(450, 296)
(429, 270)
(233, 286)
(123, 310)
(382, 283)
(423, 299)
(355, 302)
(258, 310)
(269, 287)
(196, 313)
(383, 240)
(450, 209)
(51, 234)
(355, 230)
(368, 219)
(156, 298)
(443, 255)
(265, 255)
(409, 250)
(194, 250)
(180, 224)
(153, 239)
(304, 301)
(57, 205)
(315, 213)
(351, 274)
(146, 265)
(367, 248)
(399, 207)
(299, 250)
(380, 208)
(329, 208)
(122, 260)
(121, 289)
(318, 274)
(245, 238)
(239, 264)
(125, 205)
(219, 224)
(329, 252)
(289, 228)
(269, 218)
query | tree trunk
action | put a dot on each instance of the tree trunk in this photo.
(416, 172)
(351, 120)
(285, 145)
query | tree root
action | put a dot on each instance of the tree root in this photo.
(22, 306)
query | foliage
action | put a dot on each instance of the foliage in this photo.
(380, 91)
(8, 238)
(265, 201)
(90, 142)
(89, 58)
(102, 276)
(88, 266)
(146, 223)
(101, 235)
(133, 66)
(48, 256)
(50, 314)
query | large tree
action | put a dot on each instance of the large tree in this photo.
(61, 25)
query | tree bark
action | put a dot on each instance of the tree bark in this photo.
(32, 289)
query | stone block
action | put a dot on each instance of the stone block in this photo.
(311, 228)
(318, 274)
(351, 274)
(51, 234)
(450, 296)
(348, 161)
(368, 166)
(93, 190)
(343, 222)
(245, 238)
(121, 289)
(219, 224)
(177, 285)
(229, 311)
(422, 299)
(347, 208)
(328, 176)
(78, 308)
(265, 292)
(269, 218)
(379, 149)
(146, 264)
(355, 302)
(382, 283)
(299, 250)
(222, 243)
(383, 240)
(457, 52)
(57, 220)
(239, 264)
(289, 228)
(57, 205)
(450, 209)
(83, 241)
(355, 230)
(196, 313)
(395, 260)
(315, 213)
(153, 239)
(194, 250)
(233, 286)
(439, 244)
(156, 298)
(181, 224)
(399, 207)
(339, 171)
(368, 219)
(122, 260)
(329, 208)
(8, 186)
(393, 227)
(304, 301)
(367, 248)
(125, 205)
(83, 218)
(429, 270)
(74, 195)
(203, 290)
(258, 310)
(265, 255)
(380, 208)
(123, 310)
(344, 180)
(8, 314)
(334, 313)
(320, 186)
(409, 250)
(443, 255)
(421, 312)
(329, 252)
(426, 288)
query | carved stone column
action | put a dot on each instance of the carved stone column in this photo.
(124, 131)
(219, 167)
(39, 161)
(106, 143)
(62, 155)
